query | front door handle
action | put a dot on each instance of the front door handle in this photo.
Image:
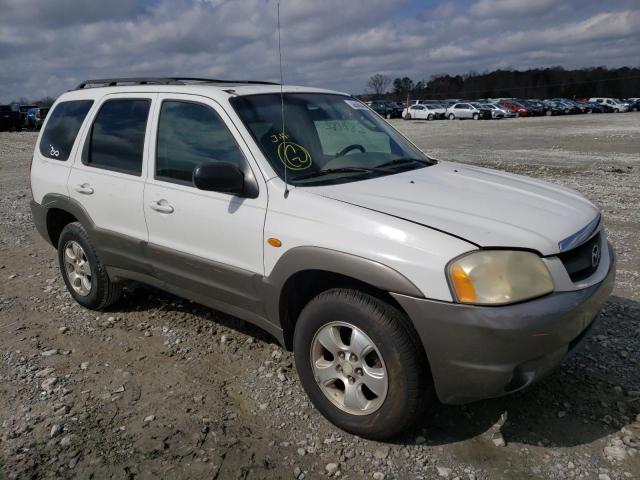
(161, 206)
(84, 188)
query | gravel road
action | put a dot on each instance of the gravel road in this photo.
(158, 387)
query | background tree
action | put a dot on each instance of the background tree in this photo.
(378, 84)
(402, 87)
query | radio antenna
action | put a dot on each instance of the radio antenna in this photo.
(284, 136)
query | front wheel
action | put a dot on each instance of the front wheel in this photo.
(407, 116)
(430, 116)
(452, 116)
(360, 363)
(476, 116)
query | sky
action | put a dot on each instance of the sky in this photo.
(49, 46)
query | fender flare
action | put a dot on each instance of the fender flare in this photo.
(300, 259)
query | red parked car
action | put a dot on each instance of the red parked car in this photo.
(516, 107)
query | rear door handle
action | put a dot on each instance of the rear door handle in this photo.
(85, 189)
(161, 206)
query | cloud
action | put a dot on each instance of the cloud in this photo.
(48, 47)
(509, 8)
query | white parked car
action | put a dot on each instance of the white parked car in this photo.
(393, 277)
(424, 111)
(614, 103)
(466, 110)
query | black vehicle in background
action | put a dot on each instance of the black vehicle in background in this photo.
(23, 109)
(386, 109)
(10, 118)
(35, 118)
(533, 107)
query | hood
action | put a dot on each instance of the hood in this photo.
(486, 207)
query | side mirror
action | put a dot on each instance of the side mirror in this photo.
(219, 177)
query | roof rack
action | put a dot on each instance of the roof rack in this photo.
(114, 82)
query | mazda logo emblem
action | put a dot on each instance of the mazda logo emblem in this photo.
(595, 255)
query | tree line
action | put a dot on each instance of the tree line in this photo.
(551, 82)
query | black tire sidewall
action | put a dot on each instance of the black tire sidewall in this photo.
(395, 414)
(75, 232)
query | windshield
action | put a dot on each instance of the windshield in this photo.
(327, 138)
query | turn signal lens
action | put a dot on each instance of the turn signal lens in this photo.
(274, 242)
(498, 277)
(462, 285)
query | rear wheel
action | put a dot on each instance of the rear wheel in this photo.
(83, 273)
(360, 363)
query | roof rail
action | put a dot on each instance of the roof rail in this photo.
(114, 82)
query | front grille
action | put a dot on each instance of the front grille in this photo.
(579, 261)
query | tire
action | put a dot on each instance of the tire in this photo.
(548, 113)
(409, 388)
(476, 116)
(387, 116)
(430, 116)
(407, 116)
(101, 292)
(452, 116)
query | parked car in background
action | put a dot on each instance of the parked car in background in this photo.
(614, 103)
(426, 111)
(535, 108)
(496, 111)
(9, 118)
(568, 106)
(23, 109)
(385, 108)
(514, 106)
(35, 118)
(465, 110)
(634, 104)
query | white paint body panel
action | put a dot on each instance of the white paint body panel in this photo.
(116, 201)
(210, 225)
(308, 219)
(487, 207)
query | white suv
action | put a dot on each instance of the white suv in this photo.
(392, 276)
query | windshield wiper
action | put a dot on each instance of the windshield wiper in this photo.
(404, 161)
(328, 171)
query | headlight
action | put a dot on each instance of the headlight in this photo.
(495, 277)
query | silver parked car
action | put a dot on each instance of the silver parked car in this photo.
(464, 110)
(498, 112)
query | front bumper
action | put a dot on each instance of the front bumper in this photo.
(483, 352)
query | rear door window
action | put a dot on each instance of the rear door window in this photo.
(62, 128)
(116, 140)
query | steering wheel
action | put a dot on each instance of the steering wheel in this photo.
(346, 150)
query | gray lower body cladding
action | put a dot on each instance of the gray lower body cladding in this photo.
(484, 352)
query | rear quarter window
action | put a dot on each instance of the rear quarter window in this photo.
(62, 128)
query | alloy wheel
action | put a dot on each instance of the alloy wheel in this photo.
(349, 368)
(77, 268)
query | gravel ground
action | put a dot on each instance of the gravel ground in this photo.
(161, 387)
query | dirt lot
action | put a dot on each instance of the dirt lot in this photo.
(160, 387)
